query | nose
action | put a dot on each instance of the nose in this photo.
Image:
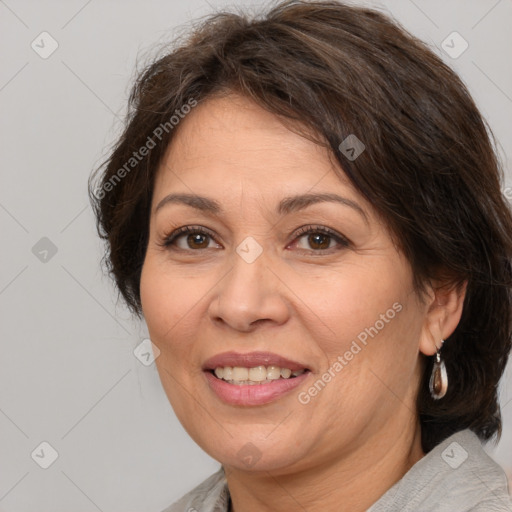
(250, 294)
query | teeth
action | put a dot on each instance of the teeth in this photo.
(240, 373)
(285, 373)
(257, 375)
(273, 372)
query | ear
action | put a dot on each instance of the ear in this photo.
(444, 309)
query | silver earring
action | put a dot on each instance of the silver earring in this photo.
(439, 377)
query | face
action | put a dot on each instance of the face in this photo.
(319, 283)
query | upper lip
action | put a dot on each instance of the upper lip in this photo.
(251, 360)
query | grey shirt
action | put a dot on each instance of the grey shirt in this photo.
(456, 476)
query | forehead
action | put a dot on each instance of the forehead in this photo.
(230, 145)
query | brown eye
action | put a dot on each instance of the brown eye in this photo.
(197, 241)
(319, 239)
(189, 238)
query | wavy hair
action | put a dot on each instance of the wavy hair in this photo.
(430, 169)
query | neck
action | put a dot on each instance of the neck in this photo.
(357, 480)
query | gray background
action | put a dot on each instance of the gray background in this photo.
(68, 375)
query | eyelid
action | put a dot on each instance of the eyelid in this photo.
(312, 228)
(168, 239)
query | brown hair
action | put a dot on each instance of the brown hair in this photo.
(429, 168)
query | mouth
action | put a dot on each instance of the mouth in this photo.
(253, 368)
(253, 379)
(257, 375)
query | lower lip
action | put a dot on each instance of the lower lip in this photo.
(256, 394)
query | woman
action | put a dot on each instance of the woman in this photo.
(306, 209)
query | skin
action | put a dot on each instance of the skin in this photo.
(306, 299)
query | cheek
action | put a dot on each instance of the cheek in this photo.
(369, 317)
(373, 324)
(173, 303)
(164, 300)
(357, 301)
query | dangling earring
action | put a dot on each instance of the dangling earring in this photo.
(439, 378)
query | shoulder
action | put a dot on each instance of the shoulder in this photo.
(211, 495)
(456, 476)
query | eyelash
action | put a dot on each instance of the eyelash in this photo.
(173, 236)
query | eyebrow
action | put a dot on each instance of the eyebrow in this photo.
(287, 205)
